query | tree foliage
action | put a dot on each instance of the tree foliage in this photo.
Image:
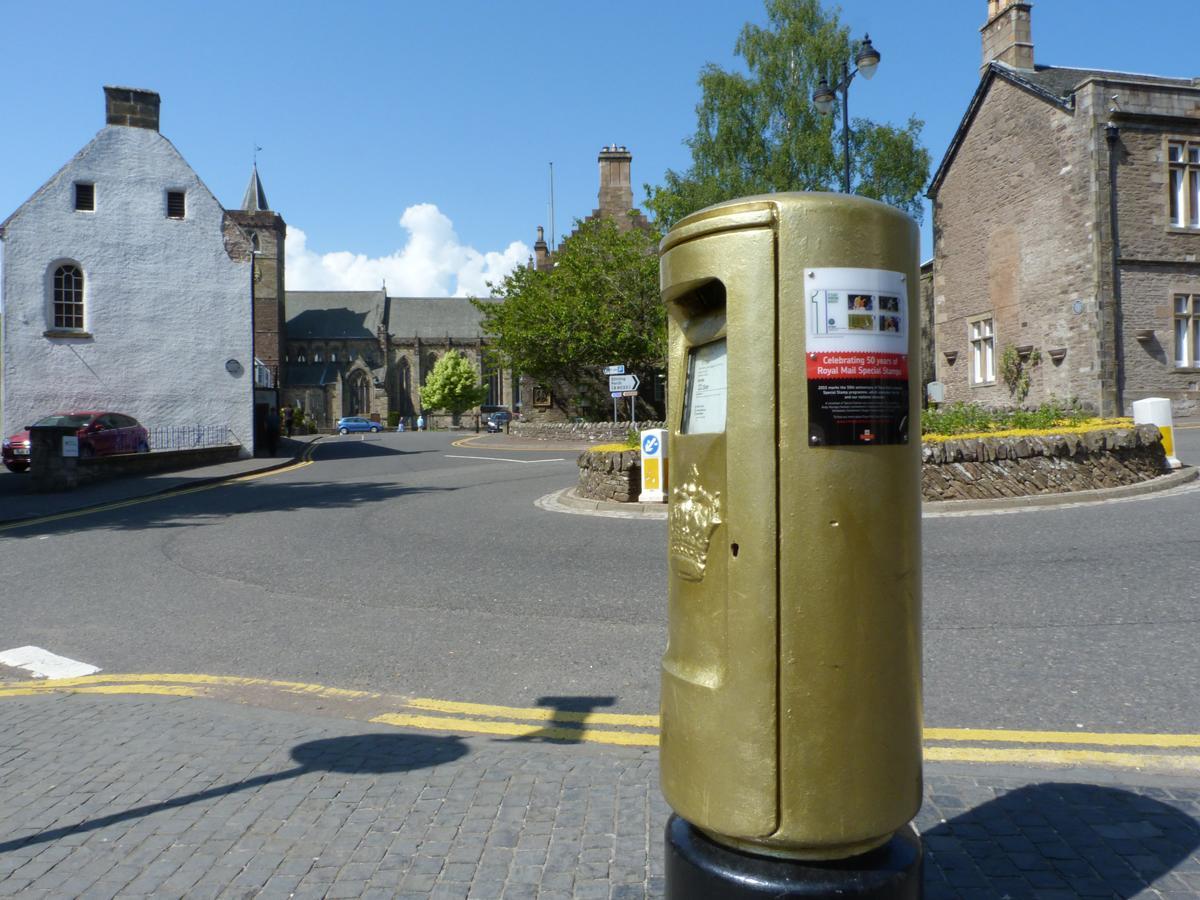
(760, 133)
(453, 385)
(598, 306)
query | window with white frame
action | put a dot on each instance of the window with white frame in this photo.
(983, 351)
(1183, 160)
(1187, 331)
(68, 297)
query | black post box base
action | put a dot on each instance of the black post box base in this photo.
(698, 868)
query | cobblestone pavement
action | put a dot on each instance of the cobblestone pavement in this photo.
(104, 796)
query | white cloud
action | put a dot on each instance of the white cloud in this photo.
(432, 264)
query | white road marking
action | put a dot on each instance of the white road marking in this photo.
(44, 664)
(503, 459)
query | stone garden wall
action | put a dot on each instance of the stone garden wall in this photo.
(610, 475)
(581, 431)
(964, 468)
(985, 468)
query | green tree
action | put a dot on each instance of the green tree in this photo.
(759, 132)
(599, 305)
(453, 385)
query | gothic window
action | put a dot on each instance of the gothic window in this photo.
(333, 356)
(68, 297)
(254, 241)
(301, 357)
(491, 377)
(317, 356)
(1183, 158)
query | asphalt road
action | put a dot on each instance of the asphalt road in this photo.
(398, 563)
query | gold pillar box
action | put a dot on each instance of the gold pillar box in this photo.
(791, 719)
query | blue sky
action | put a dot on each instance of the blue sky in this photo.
(411, 141)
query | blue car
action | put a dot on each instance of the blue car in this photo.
(347, 424)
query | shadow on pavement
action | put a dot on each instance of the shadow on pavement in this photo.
(211, 506)
(1052, 840)
(366, 754)
(569, 720)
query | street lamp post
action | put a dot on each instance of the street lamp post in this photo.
(866, 62)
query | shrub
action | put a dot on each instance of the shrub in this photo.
(393, 419)
(957, 419)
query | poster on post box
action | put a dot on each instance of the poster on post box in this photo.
(857, 357)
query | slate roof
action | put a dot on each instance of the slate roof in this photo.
(310, 374)
(334, 314)
(1054, 84)
(255, 198)
(434, 317)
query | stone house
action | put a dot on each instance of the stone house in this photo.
(1066, 218)
(127, 286)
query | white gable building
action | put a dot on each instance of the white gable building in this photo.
(127, 287)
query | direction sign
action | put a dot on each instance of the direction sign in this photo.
(629, 393)
(623, 383)
(614, 370)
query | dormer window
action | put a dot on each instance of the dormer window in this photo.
(176, 204)
(85, 196)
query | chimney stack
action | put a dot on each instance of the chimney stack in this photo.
(1008, 35)
(131, 106)
(616, 192)
(541, 251)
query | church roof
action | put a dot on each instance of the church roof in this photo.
(334, 314)
(434, 317)
(255, 198)
(310, 374)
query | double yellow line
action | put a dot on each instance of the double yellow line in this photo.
(1170, 753)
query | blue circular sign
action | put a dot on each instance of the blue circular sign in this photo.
(650, 445)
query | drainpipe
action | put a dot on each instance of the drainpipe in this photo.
(1113, 134)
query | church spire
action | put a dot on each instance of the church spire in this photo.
(255, 199)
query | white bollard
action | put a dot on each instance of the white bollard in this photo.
(654, 466)
(1157, 411)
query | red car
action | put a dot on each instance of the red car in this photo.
(100, 434)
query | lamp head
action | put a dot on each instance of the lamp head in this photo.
(823, 98)
(867, 59)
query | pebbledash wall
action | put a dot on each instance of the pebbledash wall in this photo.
(167, 333)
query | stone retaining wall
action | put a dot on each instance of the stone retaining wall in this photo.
(965, 468)
(985, 468)
(577, 431)
(610, 475)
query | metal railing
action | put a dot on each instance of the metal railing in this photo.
(186, 437)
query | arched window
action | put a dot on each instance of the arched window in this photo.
(333, 356)
(317, 356)
(68, 297)
(301, 358)
(254, 241)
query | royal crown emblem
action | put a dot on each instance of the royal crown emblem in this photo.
(695, 515)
